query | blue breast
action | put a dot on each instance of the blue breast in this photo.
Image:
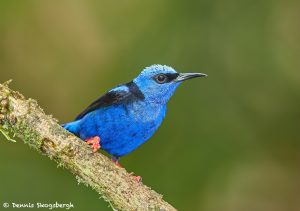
(124, 127)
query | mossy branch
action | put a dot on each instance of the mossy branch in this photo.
(24, 119)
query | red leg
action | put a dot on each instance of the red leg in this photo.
(115, 160)
(116, 163)
(95, 142)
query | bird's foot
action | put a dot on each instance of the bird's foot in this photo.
(95, 142)
(116, 162)
(137, 178)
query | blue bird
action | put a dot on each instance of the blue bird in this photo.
(129, 114)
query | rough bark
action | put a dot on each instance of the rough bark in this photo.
(24, 119)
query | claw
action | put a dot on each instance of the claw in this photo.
(95, 142)
(137, 178)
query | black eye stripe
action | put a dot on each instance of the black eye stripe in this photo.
(171, 76)
(168, 77)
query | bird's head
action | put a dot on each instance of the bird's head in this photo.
(159, 82)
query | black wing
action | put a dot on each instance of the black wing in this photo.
(122, 94)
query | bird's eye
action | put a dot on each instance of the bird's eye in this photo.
(161, 78)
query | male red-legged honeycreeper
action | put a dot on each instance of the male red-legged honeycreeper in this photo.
(129, 114)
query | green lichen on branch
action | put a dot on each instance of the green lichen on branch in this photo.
(6, 135)
(24, 119)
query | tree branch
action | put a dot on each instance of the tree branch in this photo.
(25, 119)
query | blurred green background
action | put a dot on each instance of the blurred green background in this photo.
(230, 142)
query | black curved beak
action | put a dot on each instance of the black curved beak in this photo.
(186, 76)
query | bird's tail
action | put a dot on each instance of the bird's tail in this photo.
(72, 127)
